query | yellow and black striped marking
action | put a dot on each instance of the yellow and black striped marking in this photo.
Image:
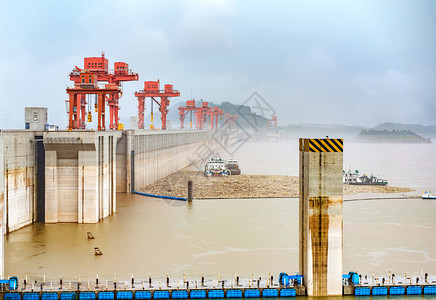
(322, 145)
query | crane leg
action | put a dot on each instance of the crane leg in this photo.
(182, 121)
(82, 101)
(163, 112)
(101, 118)
(112, 108)
(141, 112)
(117, 109)
(71, 112)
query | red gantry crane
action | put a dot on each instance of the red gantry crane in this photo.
(184, 110)
(202, 113)
(151, 89)
(113, 78)
(88, 85)
(272, 122)
(217, 114)
(230, 119)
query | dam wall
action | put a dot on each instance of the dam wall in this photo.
(64, 176)
(17, 183)
(146, 156)
(18, 178)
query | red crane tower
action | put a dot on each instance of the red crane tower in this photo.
(151, 89)
(212, 114)
(88, 85)
(272, 122)
(230, 119)
(215, 115)
(184, 110)
(201, 114)
(115, 77)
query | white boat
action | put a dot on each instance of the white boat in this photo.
(216, 167)
(428, 195)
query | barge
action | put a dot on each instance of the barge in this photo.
(354, 178)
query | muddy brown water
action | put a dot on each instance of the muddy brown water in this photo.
(260, 236)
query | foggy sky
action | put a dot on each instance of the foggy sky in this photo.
(349, 62)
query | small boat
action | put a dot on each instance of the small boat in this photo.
(428, 195)
(97, 251)
(216, 167)
(354, 178)
(233, 166)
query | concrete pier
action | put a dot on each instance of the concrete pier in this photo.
(80, 176)
(321, 215)
(2, 204)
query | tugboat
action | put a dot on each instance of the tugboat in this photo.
(428, 195)
(232, 165)
(216, 167)
(354, 178)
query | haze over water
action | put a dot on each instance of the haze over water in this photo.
(260, 236)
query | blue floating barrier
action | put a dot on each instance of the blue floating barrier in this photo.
(197, 294)
(414, 290)
(179, 294)
(106, 296)
(86, 296)
(12, 296)
(142, 295)
(362, 291)
(30, 296)
(430, 289)
(236, 293)
(379, 290)
(216, 294)
(49, 296)
(161, 295)
(159, 196)
(270, 293)
(396, 290)
(252, 293)
(288, 293)
(124, 295)
(68, 296)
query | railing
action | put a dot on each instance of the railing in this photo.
(106, 71)
(154, 91)
(90, 86)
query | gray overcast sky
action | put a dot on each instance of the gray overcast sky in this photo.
(350, 62)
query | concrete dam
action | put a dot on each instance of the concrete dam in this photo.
(62, 176)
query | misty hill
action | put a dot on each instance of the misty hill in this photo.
(429, 131)
(320, 130)
(390, 136)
